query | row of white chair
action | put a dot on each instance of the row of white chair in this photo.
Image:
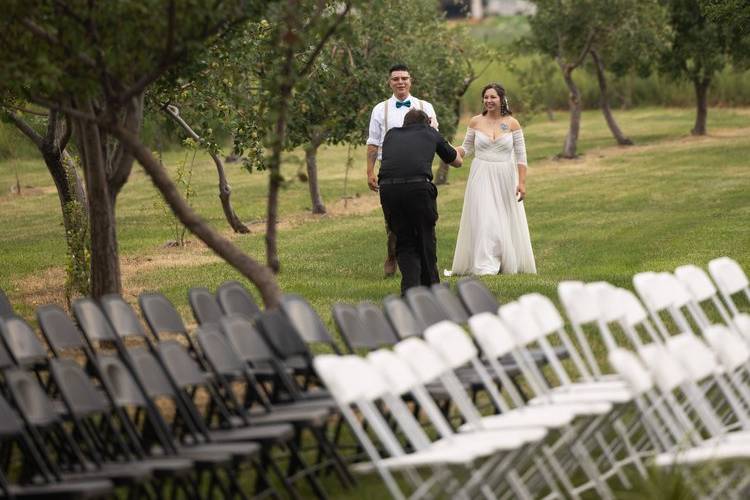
(581, 426)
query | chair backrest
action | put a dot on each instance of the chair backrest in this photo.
(205, 307)
(521, 323)
(491, 334)
(450, 303)
(79, 393)
(218, 351)
(185, 371)
(151, 373)
(30, 398)
(344, 390)
(424, 306)
(246, 340)
(697, 281)
(451, 342)
(377, 324)
(235, 299)
(92, 321)
(22, 343)
(425, 362)
(728, 275)
(58, 329)
(125, 390)
(122, 317)
(280, 334)
(403, 321)
(731, 349)
(6, 309)
(6, 359)
(400, 378)
(630, 368)
(351, 328)
(161, 315)
(476, 297)
(544, 311)
(305, 320)
(580, 305)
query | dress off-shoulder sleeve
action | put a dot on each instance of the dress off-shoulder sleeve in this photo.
(468, 144)
(519, 147)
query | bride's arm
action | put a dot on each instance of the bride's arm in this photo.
(467, 147)
(519, 148)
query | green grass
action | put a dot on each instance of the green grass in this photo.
(670, 200)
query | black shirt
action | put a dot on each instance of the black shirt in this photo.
(408, 151)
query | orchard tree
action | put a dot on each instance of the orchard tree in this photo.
(566, 31)
(698, 52)
(733, 19)
(93, 62)
(630, 36)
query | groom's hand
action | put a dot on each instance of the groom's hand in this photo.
(372, 182)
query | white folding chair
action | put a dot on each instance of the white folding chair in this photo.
(402, 380)
(676, 436)
(731, 281)
(351, 380)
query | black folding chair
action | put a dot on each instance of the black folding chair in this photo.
(353, 331)
(235, 299)
(69, 456)
(450, 303)
(377, 324)
(22, 343)
(288, 347)
(476, 297)
(425, 307)
(205, 307)
(189, 377)
(307, 322)
(231, 371)
(6, 308)
(15, 439)
(163, 319)
(401, 317)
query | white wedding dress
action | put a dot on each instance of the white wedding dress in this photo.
(493, 236)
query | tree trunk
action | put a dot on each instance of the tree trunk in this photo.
(258, 274)
(477, 10)
(701, 101)
(224, 190)
(604, 102)
(105, 263)
(311, 160)
(574, 104)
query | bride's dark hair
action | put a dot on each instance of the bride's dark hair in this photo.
(504, 108)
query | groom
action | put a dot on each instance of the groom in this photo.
(386, 115)
(408, 196)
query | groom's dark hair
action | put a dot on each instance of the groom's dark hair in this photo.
(398, 67)
(416, 116)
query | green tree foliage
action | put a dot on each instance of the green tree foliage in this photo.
(733, 19)
(93, 61)
(697, 52)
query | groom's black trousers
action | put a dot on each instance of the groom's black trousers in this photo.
(410, 209)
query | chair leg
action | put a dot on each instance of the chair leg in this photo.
(309, 475)
(346, 479)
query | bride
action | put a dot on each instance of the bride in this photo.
(493, 236)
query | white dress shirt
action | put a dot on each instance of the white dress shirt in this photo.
(395, 118)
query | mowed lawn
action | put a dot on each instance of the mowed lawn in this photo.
(671, 199)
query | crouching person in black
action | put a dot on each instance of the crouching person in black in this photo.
(408, 196)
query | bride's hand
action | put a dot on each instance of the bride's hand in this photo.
(520, 192)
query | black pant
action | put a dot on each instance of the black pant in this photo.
(411, 212)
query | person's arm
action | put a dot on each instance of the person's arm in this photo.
(467, 147)
(374, 141)
(447, 153)
(519, 148)
(372, 157)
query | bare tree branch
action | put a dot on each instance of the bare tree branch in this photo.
(331, 30)
(26, 129)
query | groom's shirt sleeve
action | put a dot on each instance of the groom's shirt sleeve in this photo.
(375, 134)
(444, 150)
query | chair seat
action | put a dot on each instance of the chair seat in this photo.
(592, 396)
(237, 450)
(69, 490)
(700, 454)
(309, 416)
(534, 416)
(263, 433)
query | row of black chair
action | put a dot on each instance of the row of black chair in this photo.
(116, 418)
